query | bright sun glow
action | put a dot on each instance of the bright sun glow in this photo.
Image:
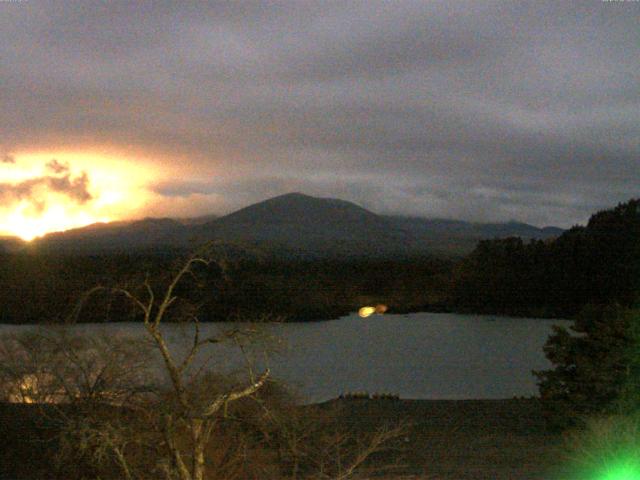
(38, 197)
(55, 218)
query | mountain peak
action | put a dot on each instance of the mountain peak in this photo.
(292, 195)
(296, 207)
(298, 197)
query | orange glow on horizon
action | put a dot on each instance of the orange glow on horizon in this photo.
(39, 197)
(54, 219)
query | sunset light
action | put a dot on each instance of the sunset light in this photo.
(57, 191)
(56, 218)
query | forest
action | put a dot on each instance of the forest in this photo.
(594, 264)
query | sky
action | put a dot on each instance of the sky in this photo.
(479, 110)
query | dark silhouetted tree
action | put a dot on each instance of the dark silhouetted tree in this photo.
(596, 365)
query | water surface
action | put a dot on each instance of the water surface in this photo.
(420, 355)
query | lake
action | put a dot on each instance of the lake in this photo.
(420, 355)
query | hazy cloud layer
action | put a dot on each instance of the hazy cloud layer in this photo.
(478, 110)
(6, 156)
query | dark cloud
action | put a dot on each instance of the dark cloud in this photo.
(480, 110)
(75, 188)
(57, 167)
(59, 181)
(7, 158)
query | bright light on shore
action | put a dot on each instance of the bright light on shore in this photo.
(365, 312)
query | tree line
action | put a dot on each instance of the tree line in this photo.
(596, 264)
(41, 288)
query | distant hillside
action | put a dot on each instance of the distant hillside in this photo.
(438, 226)
(459, 237)
(197, 220)
(11, 244)
(295, 224)
(146, 234)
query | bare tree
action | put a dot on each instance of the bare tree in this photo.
(320, 442)
(198, 413)
(83, 387)
(57, 365)
(169, 429)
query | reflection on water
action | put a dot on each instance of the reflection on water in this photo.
(422, 355)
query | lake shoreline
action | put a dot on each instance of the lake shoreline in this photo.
(336, 315)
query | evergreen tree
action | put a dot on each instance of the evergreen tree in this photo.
(597, 365)
(595, 264)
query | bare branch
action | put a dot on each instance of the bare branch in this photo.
(194, 347)
(375, 444)
(73, 317)
(172, 369)
(146, 309)
(169, 298)
(150, 293)
(169, 437)
(222, 400)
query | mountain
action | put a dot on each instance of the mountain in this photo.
(447, 236)
(446, 227)
(11, 244)
(302, 210)
(146, 234)
(295, 224)
(308, 225)
(197, 220)
(516, 229)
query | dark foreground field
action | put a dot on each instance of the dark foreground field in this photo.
(475, 439)
(468, 439)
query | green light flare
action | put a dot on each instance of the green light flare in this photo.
(623, 470)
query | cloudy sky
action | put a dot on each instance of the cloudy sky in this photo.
(475, 110)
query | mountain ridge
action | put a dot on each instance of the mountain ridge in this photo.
(294, 222)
